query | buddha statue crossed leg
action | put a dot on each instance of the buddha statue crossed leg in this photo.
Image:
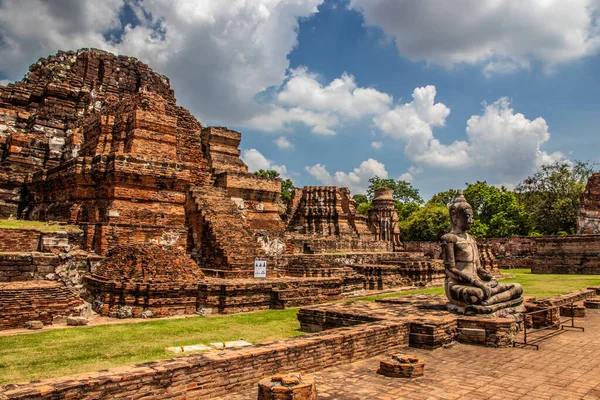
(470, 289)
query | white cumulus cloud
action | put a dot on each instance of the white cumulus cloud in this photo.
(500, 141)
(356, 180)
(303, 99)
(508, 142)
(414, 122)
(500, 35)
(341, 95)
(283, 143)
(218, 54)
(281, 119)
(256, 161)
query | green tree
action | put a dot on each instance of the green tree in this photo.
(405, 210)
(287, 186)
(267, 173)
(403, 191)
(551, 196)
(428, 223)
(363, 208)
(443, 198)
(496, 211)
(360, 199)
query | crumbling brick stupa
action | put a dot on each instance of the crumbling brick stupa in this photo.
(144, 280)
(97, 140)
(588, 221)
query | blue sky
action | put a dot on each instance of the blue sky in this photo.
(333, 92)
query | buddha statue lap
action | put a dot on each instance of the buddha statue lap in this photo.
(471, 290)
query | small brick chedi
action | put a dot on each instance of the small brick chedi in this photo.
(97, 140)
(145, 280)
(588, 221)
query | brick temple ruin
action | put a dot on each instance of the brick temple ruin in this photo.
(97, 141)
(167, 220)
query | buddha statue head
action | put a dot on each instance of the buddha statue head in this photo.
(461, 213)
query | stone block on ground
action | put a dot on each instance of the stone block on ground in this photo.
(34, 325)
(185, 349)
(77, 321)
(230, 345)
(59, 320)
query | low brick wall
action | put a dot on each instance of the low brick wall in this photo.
(21, 302)
(575, 254)
(19, 240)
(234, 296)
(214, 374)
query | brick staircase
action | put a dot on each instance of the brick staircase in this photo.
(227, 247)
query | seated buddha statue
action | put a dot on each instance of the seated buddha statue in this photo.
(471, 290)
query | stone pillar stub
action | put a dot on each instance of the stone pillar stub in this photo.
(291, 386)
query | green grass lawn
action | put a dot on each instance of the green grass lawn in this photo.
(69, 351)
(541, 286)
(36, 225)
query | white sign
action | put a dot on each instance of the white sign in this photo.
(260, 268)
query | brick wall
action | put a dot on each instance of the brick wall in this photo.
(26, 267)
(21, 302)
(19, 240)
(576, 254)
(219, 373)
(29, 240)
(432, 249)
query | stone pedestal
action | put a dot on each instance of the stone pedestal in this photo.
(592, 303)
(287, 387)
(575, 312)
(402, 366)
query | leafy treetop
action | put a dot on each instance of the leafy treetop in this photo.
(403, 191)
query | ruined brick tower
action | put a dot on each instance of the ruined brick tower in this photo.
(588, 221)
(97, 140)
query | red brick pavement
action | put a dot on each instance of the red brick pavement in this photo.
(567, 366)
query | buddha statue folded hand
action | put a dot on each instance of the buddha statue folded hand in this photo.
(471, 290)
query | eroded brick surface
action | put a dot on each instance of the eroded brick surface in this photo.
(21, 302)
(145, 280)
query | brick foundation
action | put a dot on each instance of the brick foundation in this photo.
(19, 240)
(21, 302)
(144, 280)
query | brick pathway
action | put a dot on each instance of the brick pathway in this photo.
(567, 366)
